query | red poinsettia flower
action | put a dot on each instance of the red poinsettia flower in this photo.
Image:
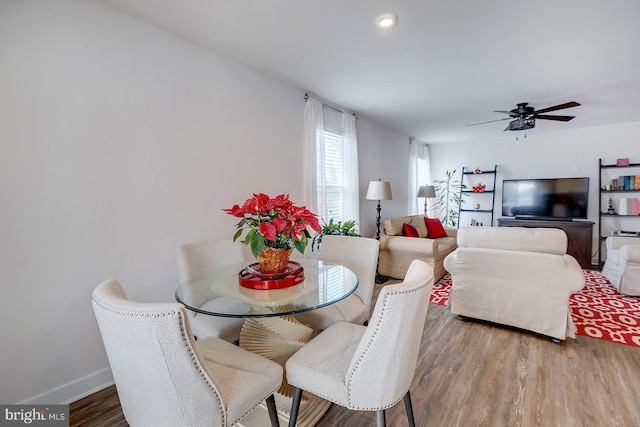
(274, 222)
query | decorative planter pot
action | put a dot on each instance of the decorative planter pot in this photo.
(274, 260)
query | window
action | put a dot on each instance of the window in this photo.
(331, 150)
(330, 166)
(419, 172)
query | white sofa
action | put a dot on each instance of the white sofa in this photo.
(622, 267)
(521, 277)
(398, 251)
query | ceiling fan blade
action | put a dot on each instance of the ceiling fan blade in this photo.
(490, 121)
(552, 117)
(557, 107)
(502, 111)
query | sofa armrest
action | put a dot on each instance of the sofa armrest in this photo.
(616, 242)
(630, 254)
(451, 232)
(423, 246)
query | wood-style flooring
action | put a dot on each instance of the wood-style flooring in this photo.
(476, 374)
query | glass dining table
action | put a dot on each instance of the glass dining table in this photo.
(218, 292)
(270, 328)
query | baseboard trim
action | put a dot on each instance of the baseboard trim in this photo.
(74, 390)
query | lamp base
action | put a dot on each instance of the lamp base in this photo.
(380, 278)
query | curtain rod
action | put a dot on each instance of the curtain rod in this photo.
(326, 104)
(412, 139)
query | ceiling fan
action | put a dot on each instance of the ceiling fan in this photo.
(524, 117)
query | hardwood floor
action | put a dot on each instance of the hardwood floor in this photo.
(477, 374)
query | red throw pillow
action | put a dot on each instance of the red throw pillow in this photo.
(436, 230)
(409, 230)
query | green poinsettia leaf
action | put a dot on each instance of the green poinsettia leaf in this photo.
(257, 244)
(301, 244)
(238, 233)
(249, 236)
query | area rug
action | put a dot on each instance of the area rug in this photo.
(598, 310)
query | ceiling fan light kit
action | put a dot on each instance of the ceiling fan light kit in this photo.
(524, 117)
(521, 123)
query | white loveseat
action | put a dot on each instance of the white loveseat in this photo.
(622, 267)
(521, 277)
(397, 251)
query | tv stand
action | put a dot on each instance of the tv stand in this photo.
(579, 234)
(539, 218)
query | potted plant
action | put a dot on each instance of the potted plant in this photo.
(274, 227)
(449, 198)
(341, 228)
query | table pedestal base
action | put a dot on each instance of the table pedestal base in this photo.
(277, 338)
(310, 412)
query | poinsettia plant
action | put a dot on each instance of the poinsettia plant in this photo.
(273, 222)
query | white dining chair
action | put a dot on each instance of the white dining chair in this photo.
(195, 259)
(360, 255)
(368, 368)
(165, 378)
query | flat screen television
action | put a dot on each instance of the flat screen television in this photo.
(549, 198)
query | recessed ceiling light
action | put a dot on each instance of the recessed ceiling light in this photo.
(387, 20)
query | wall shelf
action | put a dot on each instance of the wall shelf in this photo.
(480, 197)
(603, 205)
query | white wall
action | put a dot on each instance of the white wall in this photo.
(571, 153)
(118, 142)
(383, 154)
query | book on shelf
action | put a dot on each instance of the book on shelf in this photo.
(625, 233)
(622, 206)
(626, 182)
(628, 206)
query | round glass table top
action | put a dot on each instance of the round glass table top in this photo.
(219, 293)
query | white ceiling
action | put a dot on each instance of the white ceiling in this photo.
(447, 63)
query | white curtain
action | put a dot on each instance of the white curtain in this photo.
(419, 174)
(312, 129)
(351, 196)
(329, 133)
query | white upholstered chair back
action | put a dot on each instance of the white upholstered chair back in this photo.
(358, 254)
(386, 357)
(197, 258)
(368, 368)
(155, 366)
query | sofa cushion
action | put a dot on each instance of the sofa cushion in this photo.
(435, 228)
(409, 230)
(393, 226)
(544, 240)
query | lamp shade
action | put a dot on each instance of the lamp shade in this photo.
(379, 190)
(427, 191)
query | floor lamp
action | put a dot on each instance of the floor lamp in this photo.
(378, 190)
(428, 192)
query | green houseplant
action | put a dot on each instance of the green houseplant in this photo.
(340, 228)
(449, 198)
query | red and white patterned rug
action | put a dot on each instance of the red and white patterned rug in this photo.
(598, 310)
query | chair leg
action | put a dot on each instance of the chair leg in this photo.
(295, 405)
(381, 418)
(273, 412)
(409, 407)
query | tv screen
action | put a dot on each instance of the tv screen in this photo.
(553, 198)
